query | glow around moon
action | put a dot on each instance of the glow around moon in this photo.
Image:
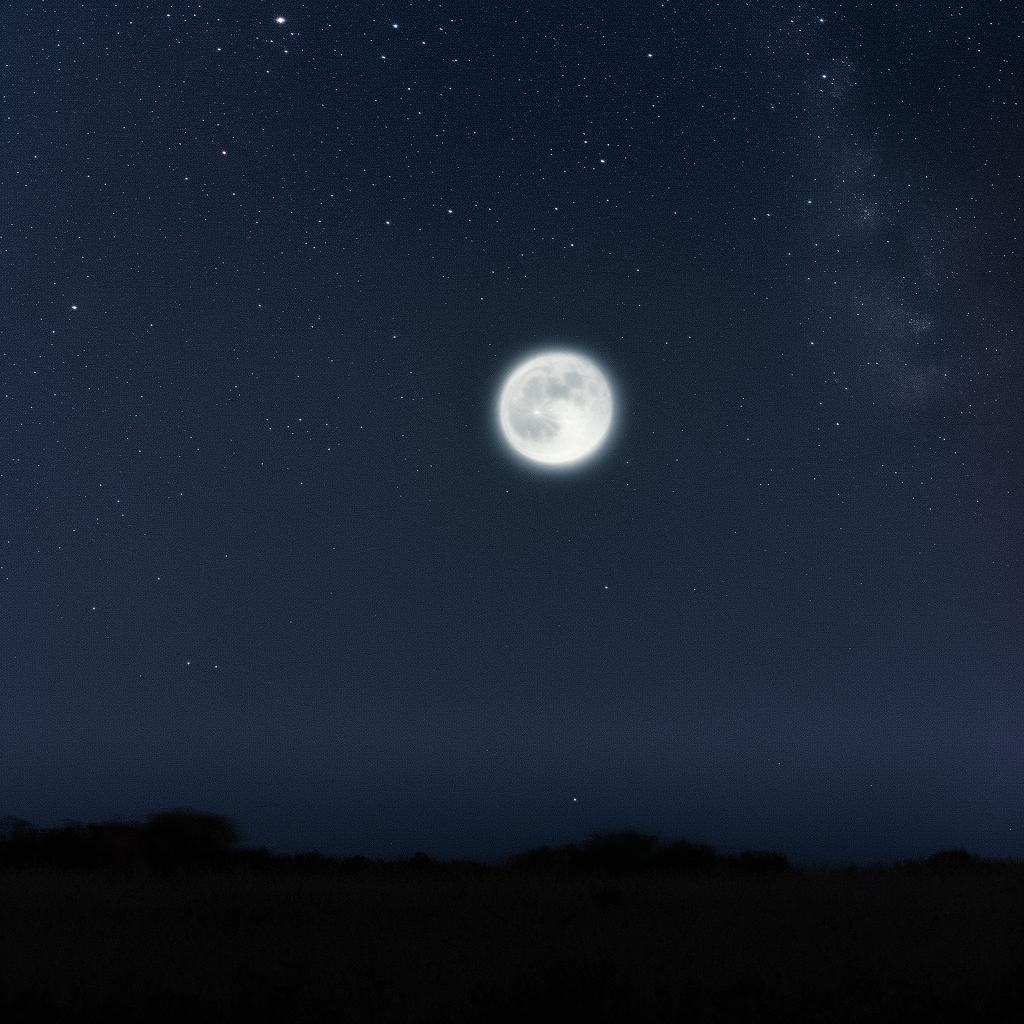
(555, 408)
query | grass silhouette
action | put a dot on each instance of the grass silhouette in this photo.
(170, 920)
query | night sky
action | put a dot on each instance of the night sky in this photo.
(262, 549)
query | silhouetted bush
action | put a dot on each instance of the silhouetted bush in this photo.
(256, 859)
(308, 863)
(623, 852)
(67, 846)
(189, 836)
(354, 865)
(688, 858)
(116, 846)
(755, 862)
(628, 852)
(13, 828)
(168, 840)
(955, 860)
(547, 860)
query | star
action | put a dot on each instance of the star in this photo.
(279, 20)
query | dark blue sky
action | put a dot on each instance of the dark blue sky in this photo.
(262, 553)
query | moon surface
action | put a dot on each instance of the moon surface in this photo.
(556, 408)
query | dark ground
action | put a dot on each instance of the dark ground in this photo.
(823, 947)
(254, 937)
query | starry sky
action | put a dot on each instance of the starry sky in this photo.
(261, 550)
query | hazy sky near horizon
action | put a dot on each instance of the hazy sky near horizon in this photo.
(263, 552)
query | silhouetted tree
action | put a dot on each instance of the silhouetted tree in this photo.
(546, 860)
(116, 846)
(688, 858)
(755, 862)
(18, 842)
(622, 852)
(354, 865)
(955, 860)
(311, 863)
(13, 828)
(185, 837)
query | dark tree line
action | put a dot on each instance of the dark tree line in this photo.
(165, 841)
(177, 841)
(627, 852)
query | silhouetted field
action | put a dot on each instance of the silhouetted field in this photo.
(168, 921)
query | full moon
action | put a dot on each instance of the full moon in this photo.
(556, 408)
